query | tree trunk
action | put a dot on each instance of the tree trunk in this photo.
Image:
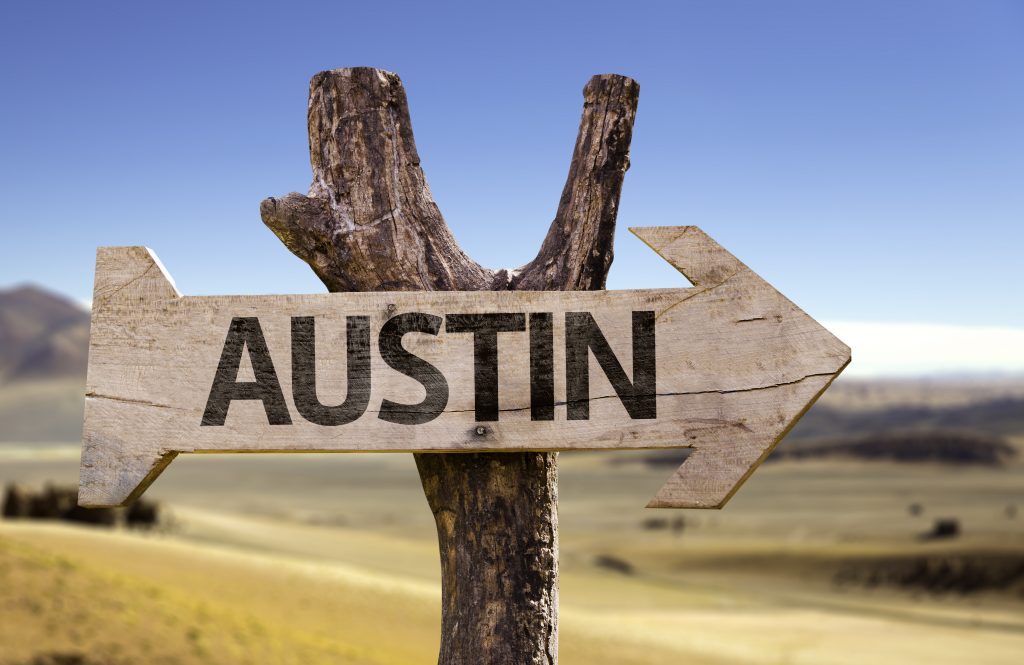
(369, 223)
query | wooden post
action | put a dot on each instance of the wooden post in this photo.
(369, 223)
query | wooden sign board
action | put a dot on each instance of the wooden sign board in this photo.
(726, 368)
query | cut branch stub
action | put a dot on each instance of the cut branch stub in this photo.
(369, 223)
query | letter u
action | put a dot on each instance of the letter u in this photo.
(304, 372)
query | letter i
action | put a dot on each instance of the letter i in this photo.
(542, 367)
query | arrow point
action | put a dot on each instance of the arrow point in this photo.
(715, 470)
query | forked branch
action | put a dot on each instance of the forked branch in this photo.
(369, 223)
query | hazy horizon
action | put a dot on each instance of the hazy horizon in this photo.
(887, 350)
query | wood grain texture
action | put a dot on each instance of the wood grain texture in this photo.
(737, 364)
(369, 223)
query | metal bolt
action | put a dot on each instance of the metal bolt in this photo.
(481, 430)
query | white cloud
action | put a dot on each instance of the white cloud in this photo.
(905, 349)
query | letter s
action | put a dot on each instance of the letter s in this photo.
(395, 355)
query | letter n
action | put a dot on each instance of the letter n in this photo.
(582, 335)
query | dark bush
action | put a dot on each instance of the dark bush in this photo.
(614, 564)
(17, 501)
(142, 514)
(938, 574)
(944, 527)
(61, 503)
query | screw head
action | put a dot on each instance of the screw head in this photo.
(481, 430)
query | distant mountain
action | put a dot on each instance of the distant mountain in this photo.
(942, 446)
(955, 447)
(42, 336)
(1001, 416)
(44, 346)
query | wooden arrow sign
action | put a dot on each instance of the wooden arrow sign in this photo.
(726, 368)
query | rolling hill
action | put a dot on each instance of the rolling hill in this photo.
(44, 346)
(42, 336)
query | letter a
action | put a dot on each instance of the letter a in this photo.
(245, 332)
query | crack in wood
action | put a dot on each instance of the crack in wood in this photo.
(103, 298)
(708, 391)
(127, 400)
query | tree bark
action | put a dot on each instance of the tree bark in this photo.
(369, 223)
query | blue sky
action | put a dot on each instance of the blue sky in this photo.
(865, 157)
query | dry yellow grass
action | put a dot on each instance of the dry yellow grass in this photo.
(124, 598)
(334, 560)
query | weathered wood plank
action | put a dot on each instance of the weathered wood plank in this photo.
(369, 223)
(736, 365)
